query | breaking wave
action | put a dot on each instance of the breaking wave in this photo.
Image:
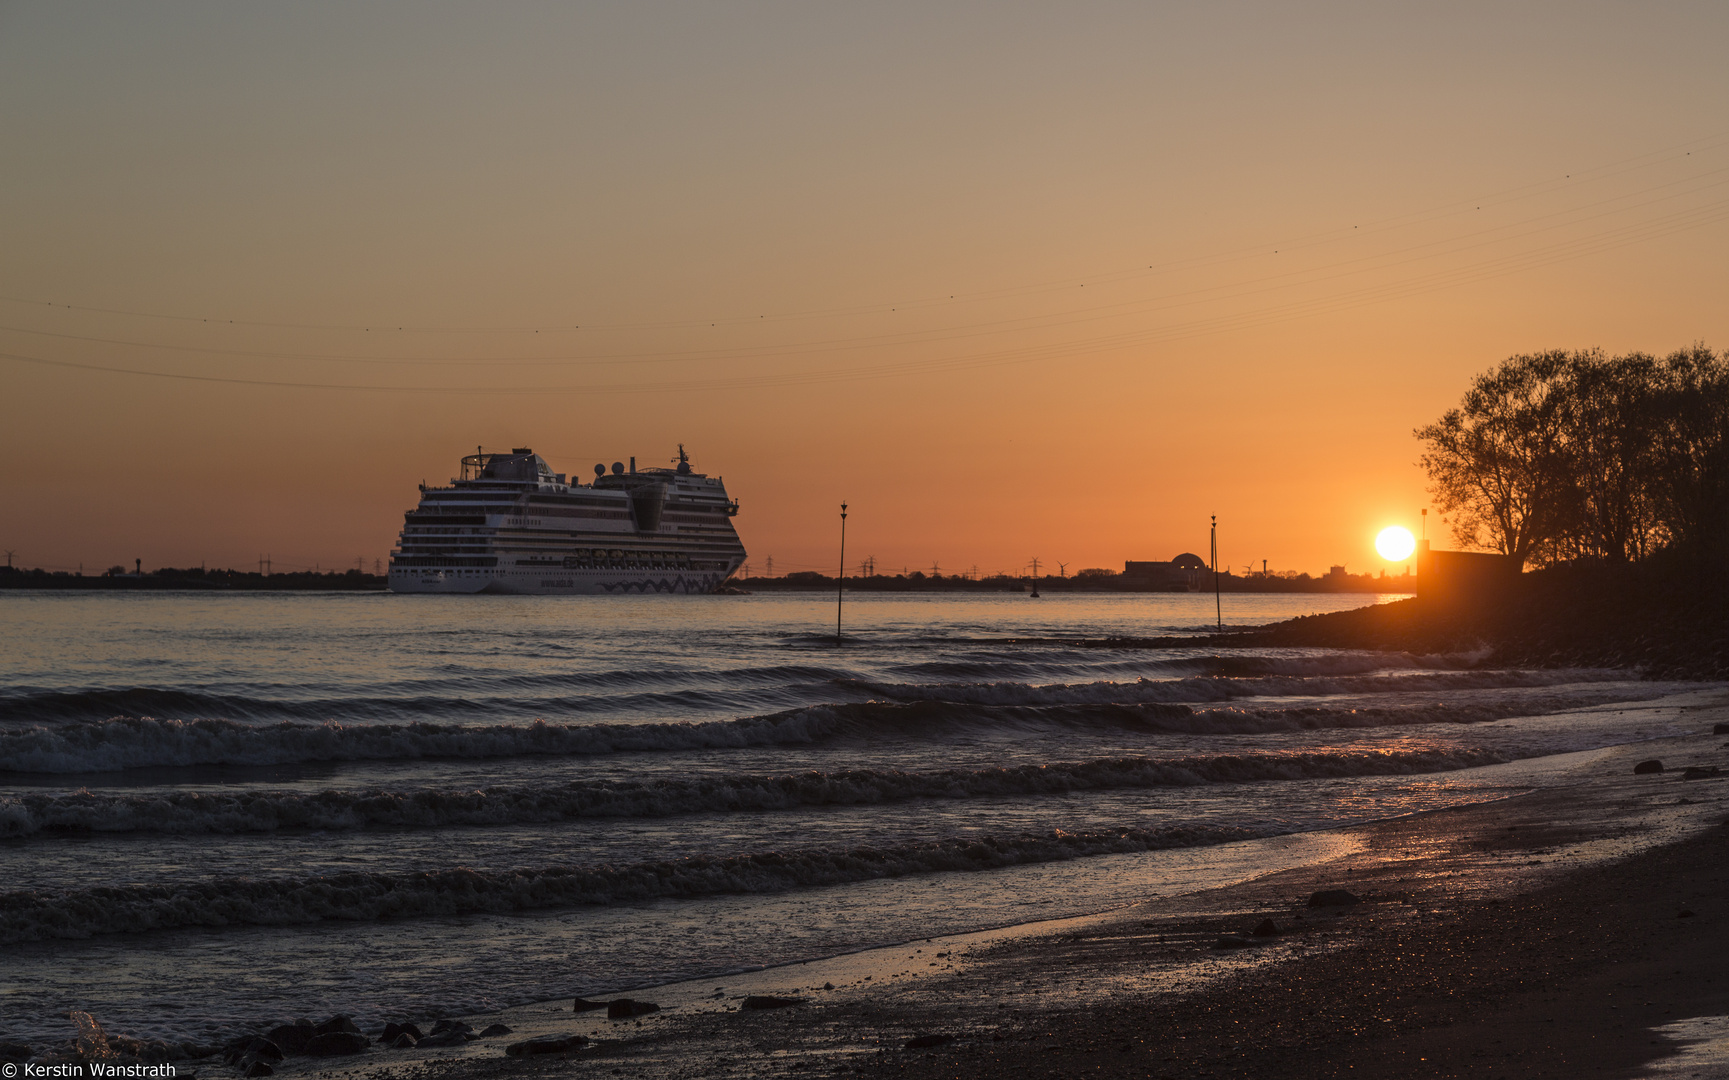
(129, 743)
(268, 811)
(1203, 689)
(231, 902)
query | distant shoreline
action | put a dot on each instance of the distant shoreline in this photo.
(356, 581)
(917, 581)
(192, 581)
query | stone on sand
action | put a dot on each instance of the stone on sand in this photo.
(1268, 928)
(585, 1005)
(251, 1048)
(391, 1031)
(337, 1023)
(924, 1042)
(493, 1031)
(766, 1001)
(624, 1008)
(546, 1044)
(334, 1043)
(258, 1068)
(1646, 767)
(1334, 898)
(292, 1038)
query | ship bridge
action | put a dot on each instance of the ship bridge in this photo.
(522, 465)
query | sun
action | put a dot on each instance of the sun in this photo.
(1395, 543)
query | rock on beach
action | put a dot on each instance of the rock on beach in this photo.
(391, 1031)
(546, 1044)
(624, 1008)
(292, 1038)
(334, 1043)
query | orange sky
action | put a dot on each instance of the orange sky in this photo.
(1011, 280)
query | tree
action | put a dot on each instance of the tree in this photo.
(1609, 421)
(1583, 457)
(1495, 460)
(1691, 452)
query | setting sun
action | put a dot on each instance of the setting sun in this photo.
(1395, 543)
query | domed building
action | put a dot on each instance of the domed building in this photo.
(1182, 574)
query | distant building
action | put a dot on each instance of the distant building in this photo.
(1182, 573)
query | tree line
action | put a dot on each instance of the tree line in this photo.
(1581, 457)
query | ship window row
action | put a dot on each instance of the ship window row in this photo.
(433, 561)
(614, 559)
(429, 549)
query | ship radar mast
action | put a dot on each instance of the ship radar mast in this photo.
(683, 461)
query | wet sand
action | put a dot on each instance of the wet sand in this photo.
(1540, 935)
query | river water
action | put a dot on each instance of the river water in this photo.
(222, 811)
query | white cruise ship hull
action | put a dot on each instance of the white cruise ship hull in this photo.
(511, 525)
(574, 583)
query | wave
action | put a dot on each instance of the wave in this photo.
(509, 695)
(1343, 662)
(229, 902)
(269, 811)
(128, 743)
(1209, 688)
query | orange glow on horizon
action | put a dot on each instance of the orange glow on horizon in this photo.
(1048, 285)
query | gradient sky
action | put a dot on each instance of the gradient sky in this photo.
(1012, 280)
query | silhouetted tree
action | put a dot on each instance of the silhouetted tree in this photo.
(1495, 460)
(1691, 452)
(1609, 423)
(1583, 457)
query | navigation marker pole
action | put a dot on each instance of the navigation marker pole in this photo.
(840, 582)
(1218, 609)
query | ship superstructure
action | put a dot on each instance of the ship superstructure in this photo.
(509, 524)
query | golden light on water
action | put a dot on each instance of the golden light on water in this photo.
(1395, 543)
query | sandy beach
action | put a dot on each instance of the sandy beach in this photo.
(1576, 930)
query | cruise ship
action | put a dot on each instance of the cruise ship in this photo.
(510, 524)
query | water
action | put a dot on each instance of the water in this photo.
(220, 811)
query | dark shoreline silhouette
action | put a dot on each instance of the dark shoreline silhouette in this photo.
(1656, 618)
(197, 580)
(918, 581)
